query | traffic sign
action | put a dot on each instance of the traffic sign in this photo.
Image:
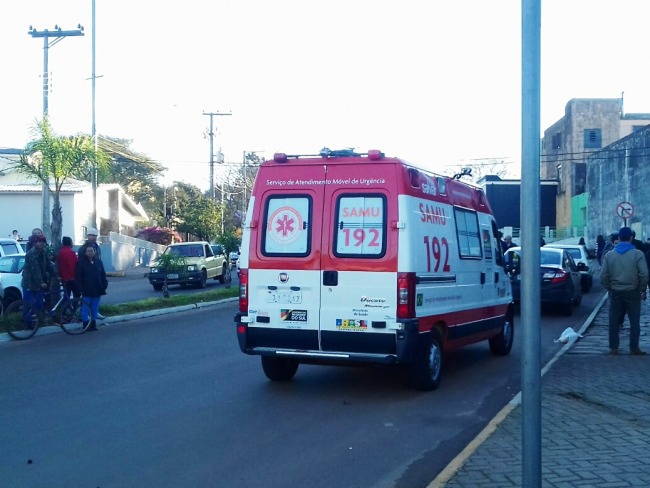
(625, 210)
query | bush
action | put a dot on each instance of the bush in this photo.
(159, 235)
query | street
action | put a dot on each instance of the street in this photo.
(171, 401)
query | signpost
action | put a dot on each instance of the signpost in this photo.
(625, 210)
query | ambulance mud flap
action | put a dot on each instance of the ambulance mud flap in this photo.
(407, 341)
(242, 329)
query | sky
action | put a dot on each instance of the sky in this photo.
(434, 82)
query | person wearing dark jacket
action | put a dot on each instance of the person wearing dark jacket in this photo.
(90, 277)
(600, 248)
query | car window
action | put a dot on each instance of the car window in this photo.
(575, 253)
(549, 258)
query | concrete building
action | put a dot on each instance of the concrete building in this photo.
(618, 184)
(588, 125)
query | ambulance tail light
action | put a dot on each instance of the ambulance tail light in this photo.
(243, 290)
(406, 295)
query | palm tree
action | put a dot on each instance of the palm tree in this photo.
(53, 159)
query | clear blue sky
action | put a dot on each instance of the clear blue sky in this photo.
(434, 82)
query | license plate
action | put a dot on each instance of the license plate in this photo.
(172, 276)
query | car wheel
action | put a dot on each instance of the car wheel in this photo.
(157, 287)
(279, 369)
(426, 370)
(10, 297)
(577, 300)
(203, 280)
(224, 270)
(501, 344)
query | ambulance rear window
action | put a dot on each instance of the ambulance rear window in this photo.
(469, 241)
(360, 226)
(286, 229)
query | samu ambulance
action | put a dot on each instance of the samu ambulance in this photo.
(362, 258)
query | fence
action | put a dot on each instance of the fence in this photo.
(120, 252)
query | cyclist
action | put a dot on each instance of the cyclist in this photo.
(37, 273)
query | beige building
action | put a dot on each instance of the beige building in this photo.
(588, 125)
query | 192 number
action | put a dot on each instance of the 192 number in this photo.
(439, 250)
(359, 236)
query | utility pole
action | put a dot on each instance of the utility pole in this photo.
(211, 134)
(57, 34)
(93, 130)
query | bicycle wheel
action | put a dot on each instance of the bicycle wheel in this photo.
(20, 321)
(70, 317)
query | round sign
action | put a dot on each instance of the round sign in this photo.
(625, 210)
(285, 225)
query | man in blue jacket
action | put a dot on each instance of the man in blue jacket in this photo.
(625, 276)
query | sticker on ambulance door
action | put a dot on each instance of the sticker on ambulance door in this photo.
(361, 226)
(286, 229)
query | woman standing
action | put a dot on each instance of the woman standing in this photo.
(91, 280)
(600, 248)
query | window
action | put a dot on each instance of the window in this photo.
(469, 240)
(286, 229)
(360, 226)
(557, 141)
(593, 139)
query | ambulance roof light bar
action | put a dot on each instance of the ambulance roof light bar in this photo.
(373, 154)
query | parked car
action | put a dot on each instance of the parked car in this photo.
(10, 246)
(561, 281)
(580, 254)
(11, 275)
(234, 257)
(200, 265)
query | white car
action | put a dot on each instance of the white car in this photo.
(11, 275)
(580, 254)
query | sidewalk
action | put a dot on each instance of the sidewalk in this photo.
(595, 420)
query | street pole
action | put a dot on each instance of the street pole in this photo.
(211, 134)
(93, 176)
(58, 35)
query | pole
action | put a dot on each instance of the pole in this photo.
(211, 134)
(93, 177)
(530, 284)
(57, 34)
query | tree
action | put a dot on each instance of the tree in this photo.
(52, 159)
(193, 212)
(479, 169)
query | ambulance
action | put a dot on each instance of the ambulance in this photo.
(361, 258)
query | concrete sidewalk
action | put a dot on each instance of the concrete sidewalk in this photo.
(595, 420)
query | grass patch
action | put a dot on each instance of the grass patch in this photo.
(172, 301)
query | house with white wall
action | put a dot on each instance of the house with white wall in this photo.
(21, 205)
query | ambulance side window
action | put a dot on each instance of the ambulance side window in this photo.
(287, 229)
(469, 240)
(360, 226)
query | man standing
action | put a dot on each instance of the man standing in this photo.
(625, 276)
(66, 262)
(38, 270)
(91, 240)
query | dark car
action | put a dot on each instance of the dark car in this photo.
(561, 281)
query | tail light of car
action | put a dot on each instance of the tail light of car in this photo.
(406, 295)
(243, 290)
(556, 276)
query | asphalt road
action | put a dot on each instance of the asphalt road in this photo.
(170, 401)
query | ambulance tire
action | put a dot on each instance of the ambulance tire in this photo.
(500, 345)
(279, 369)
(426, 370)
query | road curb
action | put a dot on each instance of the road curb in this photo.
(4, 337)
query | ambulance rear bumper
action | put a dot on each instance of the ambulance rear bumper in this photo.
(312, 346)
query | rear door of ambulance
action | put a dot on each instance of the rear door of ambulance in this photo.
(284, 256)
(359, 258)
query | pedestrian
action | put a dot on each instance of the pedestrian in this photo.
(636, 242)
(600, 247)
(506, 244)
(91, 280)
(625, 276)
(581, 242)
(14, 235)
(32, 238)
(91, 240)
(38, 272)
(613, 240)
(66, 262)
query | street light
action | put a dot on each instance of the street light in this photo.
(57, 34)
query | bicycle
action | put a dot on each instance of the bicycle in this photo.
(22, 318)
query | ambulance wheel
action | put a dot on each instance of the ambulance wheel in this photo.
(427, 369)
(279, 369)
(501, 344)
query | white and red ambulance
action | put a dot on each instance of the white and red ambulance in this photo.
(364, 258)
